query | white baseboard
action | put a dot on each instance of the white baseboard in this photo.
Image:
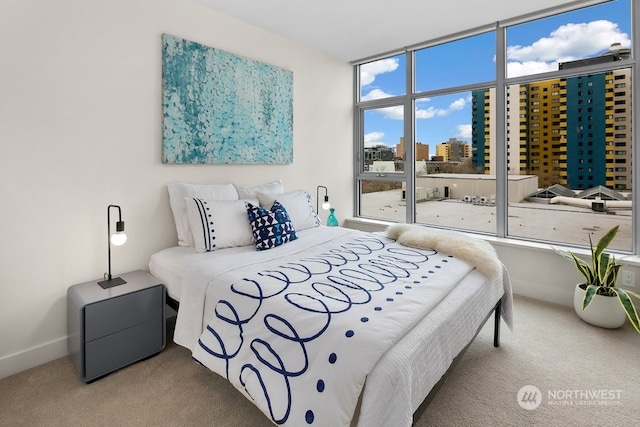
(18, 362)
(554, 295)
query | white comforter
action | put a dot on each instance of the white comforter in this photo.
(298, 335)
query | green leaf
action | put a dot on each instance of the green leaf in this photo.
(588, 295)
(581, 265)
(628, 307)
(603, 269)
(612, 278)
(603, 242)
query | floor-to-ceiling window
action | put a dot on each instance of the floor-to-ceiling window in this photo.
(521, 129)
(382, 119)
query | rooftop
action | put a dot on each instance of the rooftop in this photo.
(559, 224)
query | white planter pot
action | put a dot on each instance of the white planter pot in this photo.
(603, 311)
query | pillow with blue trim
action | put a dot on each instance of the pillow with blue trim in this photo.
(299, 206)
(218, 224)
(178, 192)
(271, 227)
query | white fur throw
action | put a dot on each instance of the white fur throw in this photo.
(478, 252)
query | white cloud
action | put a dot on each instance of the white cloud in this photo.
(376, 94)
(393, 113)
(515, 69)
(397, 112)
(374, 138)
(432, 112)
(463, 132)
(368, 72)
(567, 43)
(458, 104)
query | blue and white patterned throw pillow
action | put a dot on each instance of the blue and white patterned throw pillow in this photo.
(270, 227)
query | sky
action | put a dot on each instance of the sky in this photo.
(532, 47)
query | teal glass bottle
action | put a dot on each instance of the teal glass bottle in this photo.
(332, 221)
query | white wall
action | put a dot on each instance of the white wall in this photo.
(80, 128)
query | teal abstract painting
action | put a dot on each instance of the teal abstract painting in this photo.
(223, 108)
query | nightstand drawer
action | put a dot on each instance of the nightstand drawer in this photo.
(118, 350)
(122, 312)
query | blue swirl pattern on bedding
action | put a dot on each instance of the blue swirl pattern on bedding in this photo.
(299, 338)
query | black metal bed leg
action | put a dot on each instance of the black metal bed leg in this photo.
(496, 324)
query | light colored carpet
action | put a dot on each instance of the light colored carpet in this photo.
(550, 349)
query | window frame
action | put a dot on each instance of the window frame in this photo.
(501, 83)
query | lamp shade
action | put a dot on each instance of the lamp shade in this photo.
(118, 238)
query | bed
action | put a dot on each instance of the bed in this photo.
(416, 300)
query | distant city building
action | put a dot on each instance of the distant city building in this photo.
(575, 131)
(422, 150)
(379, 152)
(422, 167)
(452, 150)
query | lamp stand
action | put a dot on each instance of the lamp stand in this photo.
(109, 281)
(326, 198)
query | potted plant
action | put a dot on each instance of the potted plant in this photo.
(598, 299)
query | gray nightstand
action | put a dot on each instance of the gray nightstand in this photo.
(111, 328)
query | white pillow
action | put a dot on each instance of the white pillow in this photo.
(219, 224)
(250, 192)
(299, 206)
(177, 194)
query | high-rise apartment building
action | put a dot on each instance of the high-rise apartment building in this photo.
(574, 131)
